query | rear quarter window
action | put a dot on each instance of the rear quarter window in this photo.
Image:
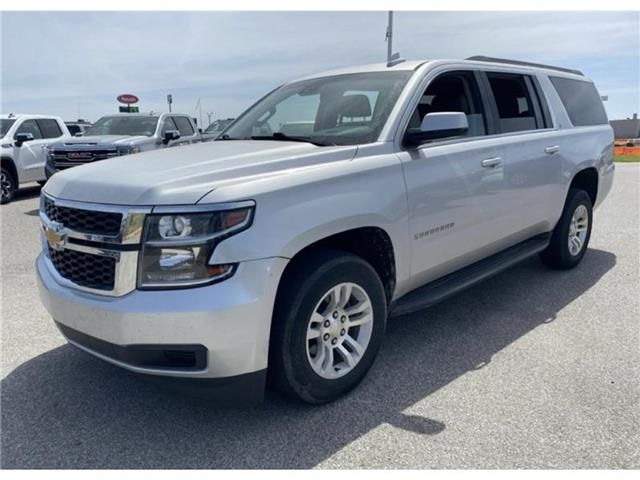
(581, 101)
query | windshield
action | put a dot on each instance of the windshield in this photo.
(123, 125)
(339, 110)
(5, 125)
(218, 125)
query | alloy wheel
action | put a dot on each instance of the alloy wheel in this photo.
(578, 230)
(339, 330)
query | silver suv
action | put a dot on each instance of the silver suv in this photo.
(335, 201)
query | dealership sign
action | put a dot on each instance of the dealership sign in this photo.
(127, 98)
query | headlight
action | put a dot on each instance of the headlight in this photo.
(127, 149)
(177, 246)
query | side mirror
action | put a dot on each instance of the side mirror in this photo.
(23, 137)
(438, 125)
(199, 130)
(170, 135)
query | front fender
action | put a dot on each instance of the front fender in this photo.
(290, 219)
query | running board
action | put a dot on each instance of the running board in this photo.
(453, 283)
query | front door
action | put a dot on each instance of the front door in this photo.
(30, 156)
(455, 185)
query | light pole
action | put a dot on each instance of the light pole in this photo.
(392, 58)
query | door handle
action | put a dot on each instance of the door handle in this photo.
(491, 162)
(552, 149)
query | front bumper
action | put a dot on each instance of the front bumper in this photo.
(49, 170)
(231, 319)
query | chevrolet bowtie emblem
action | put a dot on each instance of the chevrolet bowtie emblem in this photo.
(54, 235)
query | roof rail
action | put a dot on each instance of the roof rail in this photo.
(482, 58)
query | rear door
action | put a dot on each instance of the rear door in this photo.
(532, 153)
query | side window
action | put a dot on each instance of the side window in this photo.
(581, 101)
(29, 126)
(515, 102)
(49, 128)
(184, 126)
(453, 92)
(167, 124)
(73, 129)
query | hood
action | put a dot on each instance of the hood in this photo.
(97, 141)
(183, 175)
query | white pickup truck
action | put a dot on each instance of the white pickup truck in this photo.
(24, 138)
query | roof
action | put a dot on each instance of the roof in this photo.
(30, 115)
(479, 61)
(372, 67)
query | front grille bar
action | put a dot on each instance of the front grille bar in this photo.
(120, 247)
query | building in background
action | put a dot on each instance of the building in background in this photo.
(627, 128)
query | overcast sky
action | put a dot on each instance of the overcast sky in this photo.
(75, 64)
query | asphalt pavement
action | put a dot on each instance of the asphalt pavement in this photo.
(531, 369)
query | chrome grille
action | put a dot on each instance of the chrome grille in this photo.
(63, 159)
(92, 247)
(84, 269)
(85, 221)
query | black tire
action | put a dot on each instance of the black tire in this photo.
(9, 186)
(305, 283)
(557, 255)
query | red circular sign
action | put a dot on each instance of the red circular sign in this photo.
(127, 98)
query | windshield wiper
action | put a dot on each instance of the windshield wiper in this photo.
(225, 137)
(286, 138)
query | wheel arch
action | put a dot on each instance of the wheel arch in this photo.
(371, 243)
(586, 179)
(9, 164)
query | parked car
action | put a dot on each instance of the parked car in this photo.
(214, 129)
(272, 251)
(24, 137)
(78, 128)
(121, 134)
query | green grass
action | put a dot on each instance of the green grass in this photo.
(626, 158)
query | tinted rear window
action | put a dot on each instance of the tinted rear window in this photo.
(581, 100)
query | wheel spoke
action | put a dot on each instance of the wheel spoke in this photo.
(351, 342)
(578, 242)
(345, 294)
(313, 333)
(366, 318)
(347, 356)
(357, 308)
(327, 364)
(334, 298)
(320, 354)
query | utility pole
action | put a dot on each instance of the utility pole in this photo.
(389, 36)
(392, 58)
(169, 101)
